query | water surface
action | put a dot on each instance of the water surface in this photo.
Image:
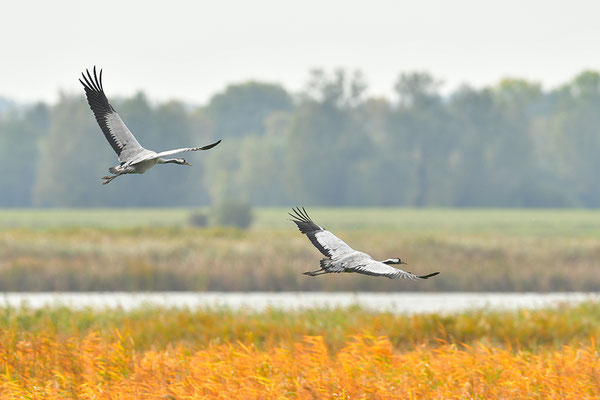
(400, 303)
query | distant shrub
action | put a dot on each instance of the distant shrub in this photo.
(197, 219)
(232, 213)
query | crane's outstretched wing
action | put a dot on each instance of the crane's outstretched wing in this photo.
(116, 132)
(376, 268)
(176, 151)
(327, 243)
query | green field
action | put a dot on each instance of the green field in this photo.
(155, 249)
(529, 222)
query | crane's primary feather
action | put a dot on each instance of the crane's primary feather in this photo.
(116, 132)
(327, 243)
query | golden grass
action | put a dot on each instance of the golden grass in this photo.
(333, 354)
(152, 328)
(367, 367)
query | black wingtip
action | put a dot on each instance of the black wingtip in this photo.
(210, 146)
(92, 80)
(428, 276)
(300, 214)
(96, 79)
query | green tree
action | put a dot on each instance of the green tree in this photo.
(19, 136)
(514, 166)
(325, 142)
(421, 125)
(575, 126)
(243, 108)
(250, 169)
(70, 158)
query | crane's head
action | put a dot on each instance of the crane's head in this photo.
(393, 261)
(181, 161)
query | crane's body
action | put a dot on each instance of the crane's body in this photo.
(133, 158)
(142, 163)
(342, 258)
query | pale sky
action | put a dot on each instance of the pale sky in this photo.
(189, 50)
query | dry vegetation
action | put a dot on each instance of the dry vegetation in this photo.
(272, 259)
(159, 353)
(59, 353)
(366, 367)
(159, 328)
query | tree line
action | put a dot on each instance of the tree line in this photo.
(513, 144)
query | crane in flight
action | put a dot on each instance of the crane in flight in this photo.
(339, 257)
(133, 158)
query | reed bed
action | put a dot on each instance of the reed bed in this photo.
(154, 353)
(152, 328)
(366, 367)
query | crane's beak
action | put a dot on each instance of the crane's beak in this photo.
(402, 262)
(187, 163)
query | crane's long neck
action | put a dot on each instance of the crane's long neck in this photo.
(179, 161)
(168, 161)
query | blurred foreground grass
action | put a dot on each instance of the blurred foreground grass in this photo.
(153, 249)
(57, 353)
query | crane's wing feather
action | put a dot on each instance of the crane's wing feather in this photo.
(116, 132)
(327, 243)
(176, 151)
(377, 268)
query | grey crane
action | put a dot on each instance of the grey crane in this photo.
(133, 158)
(342, 258)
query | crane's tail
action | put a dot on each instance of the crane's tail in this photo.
(325, 263)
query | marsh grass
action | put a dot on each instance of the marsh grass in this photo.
(154, 249)
(158, 328)
(343, 353)
(225, 259)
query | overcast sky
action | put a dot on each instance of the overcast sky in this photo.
(190, 50)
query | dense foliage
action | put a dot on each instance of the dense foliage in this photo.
(512, 144)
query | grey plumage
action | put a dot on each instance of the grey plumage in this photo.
(342, 258)
(133, 158)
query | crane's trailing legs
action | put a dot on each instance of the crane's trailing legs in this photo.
(107, 179)
(315, 273)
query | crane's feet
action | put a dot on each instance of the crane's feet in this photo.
(107, 179)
